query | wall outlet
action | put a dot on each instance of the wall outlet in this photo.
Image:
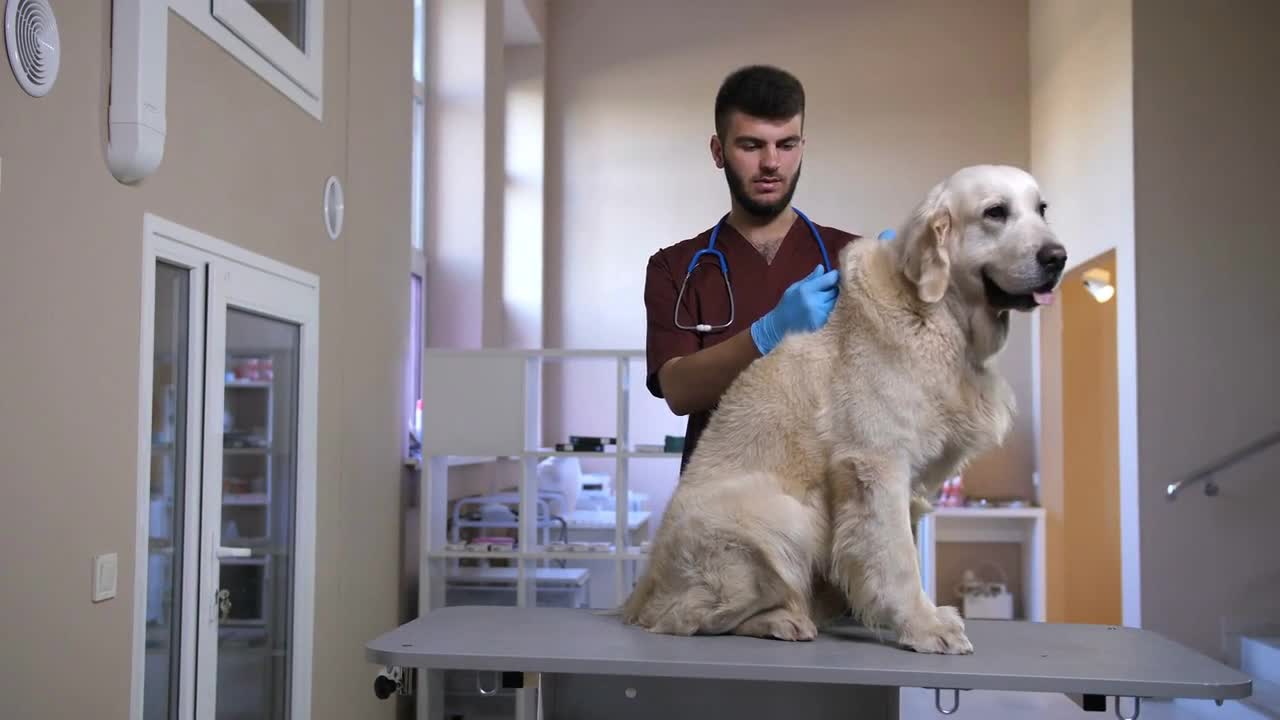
(104, 577)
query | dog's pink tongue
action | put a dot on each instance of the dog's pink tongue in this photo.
(1043, 298)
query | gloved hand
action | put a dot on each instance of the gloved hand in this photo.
(804, 307)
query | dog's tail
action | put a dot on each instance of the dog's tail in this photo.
(629, 610)
(636, 602)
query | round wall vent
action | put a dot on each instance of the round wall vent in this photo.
(334, 207)
(31, 36)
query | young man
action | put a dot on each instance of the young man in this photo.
(700, 339)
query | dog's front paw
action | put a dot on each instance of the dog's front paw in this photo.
(940, 630)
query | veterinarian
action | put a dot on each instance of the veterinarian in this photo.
(770, 270)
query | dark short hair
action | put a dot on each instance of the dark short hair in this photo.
(762, 91)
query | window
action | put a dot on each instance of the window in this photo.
(413, 383)
(281, 40)
(224, 579)
(417, 232)
(418, 155)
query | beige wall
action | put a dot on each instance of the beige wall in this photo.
(464, 117)
(244, 164)
(1082, 155)
(894, 105)
(1082, 120)
(1205, 103)
(522, 255)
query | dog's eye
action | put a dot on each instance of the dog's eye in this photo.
(996, 212)
(1043, 208)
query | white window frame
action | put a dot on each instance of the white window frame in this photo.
(247, 36)
(417, 215)
(418, 169)
(167, 241)
(158, 249)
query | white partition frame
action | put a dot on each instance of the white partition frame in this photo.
(493, 402)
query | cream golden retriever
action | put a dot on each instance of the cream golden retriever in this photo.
(800, 499)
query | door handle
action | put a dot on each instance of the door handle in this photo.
(234, 552)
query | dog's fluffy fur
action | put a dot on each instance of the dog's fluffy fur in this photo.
(800, 499)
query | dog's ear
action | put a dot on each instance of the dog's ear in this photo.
(926, 260)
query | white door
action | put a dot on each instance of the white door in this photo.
(243, 646)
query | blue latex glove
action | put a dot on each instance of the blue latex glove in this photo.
(804, 307)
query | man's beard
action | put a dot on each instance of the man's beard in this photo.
(763, 211)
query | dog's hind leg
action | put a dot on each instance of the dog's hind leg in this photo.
(792, 621)
(728, 584)
(752, 556)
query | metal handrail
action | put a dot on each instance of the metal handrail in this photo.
(1206, 473)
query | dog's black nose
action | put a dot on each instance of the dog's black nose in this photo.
(1052, 257)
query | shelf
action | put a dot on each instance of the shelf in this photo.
(632, 553)
(610, 454)
(652, 454)
(1029, 513)
(249, 385)
(241, 499)
(539, 353)
(246, 451)
(485, 554)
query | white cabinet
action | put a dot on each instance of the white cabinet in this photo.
(1023, 527)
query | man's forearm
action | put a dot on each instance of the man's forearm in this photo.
(694, 383)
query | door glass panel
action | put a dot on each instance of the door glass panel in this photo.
(287, 16)
(260, 419)
(167, 493)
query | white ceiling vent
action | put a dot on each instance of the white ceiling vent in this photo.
(31, 35)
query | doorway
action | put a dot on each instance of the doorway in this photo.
(1081, 445)
(226, 531)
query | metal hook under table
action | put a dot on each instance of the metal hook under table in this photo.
(937, 700)
(1137, 709)
(497, 684)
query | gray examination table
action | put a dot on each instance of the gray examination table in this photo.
(574, 664)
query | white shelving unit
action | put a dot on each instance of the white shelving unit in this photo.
(488, 404)
(1024, 526)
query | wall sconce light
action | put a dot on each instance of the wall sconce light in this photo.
(1098, 282)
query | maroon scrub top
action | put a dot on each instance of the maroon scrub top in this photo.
(757, 287)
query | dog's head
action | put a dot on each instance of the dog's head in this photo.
(982, 233)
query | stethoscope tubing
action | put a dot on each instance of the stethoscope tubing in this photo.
(710, 249)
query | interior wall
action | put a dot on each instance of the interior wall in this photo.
(1082, 120)
(522, 178)
(1090, 427)
(495, 177)
(629, 115)
(244, 164)
(1081, 101)
(1205, 99)
(462, 118)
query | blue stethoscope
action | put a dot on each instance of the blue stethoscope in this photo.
(710, 249)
